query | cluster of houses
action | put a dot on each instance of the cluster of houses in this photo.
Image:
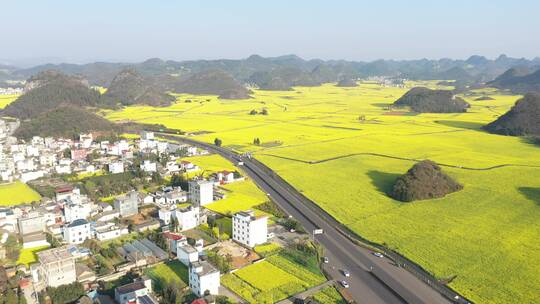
(43, 156)
(11, 91)
(72, 217)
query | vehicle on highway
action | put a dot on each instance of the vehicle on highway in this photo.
(378, 254)
(325, 260)
(344, 284)
(346, 273)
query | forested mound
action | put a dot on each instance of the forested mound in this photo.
(284, 78)
(347, 82)
(425, 180)
(522, 119)
(128, 88)
(424, 100)
(234, 94)
(518, 80)
(211, 82)
(64, 121)
(50, 90)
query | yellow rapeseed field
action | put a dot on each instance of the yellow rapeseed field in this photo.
(344, 147)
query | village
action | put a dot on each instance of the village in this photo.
(113, 211)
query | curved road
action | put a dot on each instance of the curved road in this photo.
(372, 279)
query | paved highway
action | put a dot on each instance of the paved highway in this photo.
(372, 279)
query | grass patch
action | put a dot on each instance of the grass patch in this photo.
(287, 278)
(328, 295)
(267, 249)
(28, 256)
(17, 193)
(169, 272)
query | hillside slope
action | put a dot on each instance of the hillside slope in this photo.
(129, 87)
(424, 100)
(50, 90)
(211, 82)
(522, 119)
(64, 121)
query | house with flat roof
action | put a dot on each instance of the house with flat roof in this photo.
(201, 192)
(140, 292)
(128, 204)
(55, 267)
(248, 229)
(203, 278)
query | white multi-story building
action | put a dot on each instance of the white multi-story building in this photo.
(248, 229)
(188, 218)
(187, 254)
(31, 223)
(77, 232)
(201, 192)
(55, 267)
(127, 204)
(165, 215)
(116, 167)
(203, 278)
(148, 166)
(108, 231)
(147, 135)
(77, 209)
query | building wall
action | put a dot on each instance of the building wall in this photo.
(59, 272)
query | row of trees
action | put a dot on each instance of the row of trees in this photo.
(264, 111)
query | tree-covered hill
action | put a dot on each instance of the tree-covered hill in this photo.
(64, 121)
(50, 90)
(424, 100)
(129, 87)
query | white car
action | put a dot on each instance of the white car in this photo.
(378, 254)
(344, 284)
(346, 273)
(325, 260)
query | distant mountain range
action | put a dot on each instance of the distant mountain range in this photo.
(285, 71)
(520, 80)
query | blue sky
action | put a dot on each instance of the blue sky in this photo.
(357, 30)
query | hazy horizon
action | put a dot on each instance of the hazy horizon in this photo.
(133, 31)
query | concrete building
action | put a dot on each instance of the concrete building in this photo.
(147, 135)
(107, 231)
(31, 223)
(203, 277)
(140, 292)
(33, 240)
(188, 218)
(248, 229)
(128, 204)
(201, 192)
(76, 209)
(187, 254)
(77, 231)
(148, 166)
(116, 167)
(55, 267)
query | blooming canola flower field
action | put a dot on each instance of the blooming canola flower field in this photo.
(344, 148)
